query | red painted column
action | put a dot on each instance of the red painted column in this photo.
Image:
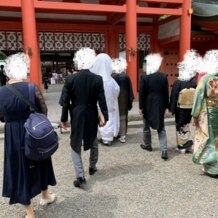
(131, 42)
(185, 28)
(30, 40)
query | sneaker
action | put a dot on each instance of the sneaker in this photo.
(92, 170)
(50, 200)
(122, 139)
(79, 182)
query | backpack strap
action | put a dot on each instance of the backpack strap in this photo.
(23, 98)
(31, 88)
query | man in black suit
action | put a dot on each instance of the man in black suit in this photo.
(153, 101)
(83, 91)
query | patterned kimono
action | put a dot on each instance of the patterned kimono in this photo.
(205, 109)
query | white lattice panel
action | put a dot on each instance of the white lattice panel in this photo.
(87, 40)
(11, 39)
(49, 41)
(143, 41)
(122, 42)
(58, 41)
(78, 41)
(41, 41)
(2, 41)
(68, 41)
(102, 48)
(19, 41)
(96, 41)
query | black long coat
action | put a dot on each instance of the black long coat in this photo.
(126, 96)
(83, 91)
(182, 116)
(154, 98)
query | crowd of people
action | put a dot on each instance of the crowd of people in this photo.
(98, 97)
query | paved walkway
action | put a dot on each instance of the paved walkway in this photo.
(130, 182)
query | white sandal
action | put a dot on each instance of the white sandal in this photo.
(50, 200)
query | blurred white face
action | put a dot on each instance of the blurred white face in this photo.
(153, 62)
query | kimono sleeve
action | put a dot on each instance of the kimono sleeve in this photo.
(198, 98)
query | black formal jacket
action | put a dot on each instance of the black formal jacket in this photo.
(154, 98)
(83, 91)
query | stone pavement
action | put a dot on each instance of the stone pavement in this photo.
(130, 182)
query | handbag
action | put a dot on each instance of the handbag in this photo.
(41, 141)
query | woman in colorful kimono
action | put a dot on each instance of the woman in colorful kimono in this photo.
(186, 82)
(103, 67)
(205, 117)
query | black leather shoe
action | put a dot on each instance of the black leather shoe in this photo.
(92, 170)
(164, 155)
(79, 182)
(146, 147)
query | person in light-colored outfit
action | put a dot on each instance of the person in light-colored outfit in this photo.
(103, 67)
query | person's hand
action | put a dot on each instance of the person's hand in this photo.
(101, 121)
(140, 112)
(64, 125)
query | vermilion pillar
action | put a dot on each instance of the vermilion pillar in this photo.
(131, 42)
(185, 28)
(30, 40)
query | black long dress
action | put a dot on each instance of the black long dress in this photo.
(22, 179)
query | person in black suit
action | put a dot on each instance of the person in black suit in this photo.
(126, 96)
(83, 91)
(153, 101)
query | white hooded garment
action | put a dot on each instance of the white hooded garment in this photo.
(103, 67)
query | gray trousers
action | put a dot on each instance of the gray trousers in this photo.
(123, 125)
(77, 159)
(161, 135)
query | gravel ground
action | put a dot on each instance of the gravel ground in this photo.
(130, 182)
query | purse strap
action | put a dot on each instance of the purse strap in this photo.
(29, 101)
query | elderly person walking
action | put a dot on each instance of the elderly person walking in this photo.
(153, 101)
(103, 67)
(126, 96)
(23, 179)
(82, 91)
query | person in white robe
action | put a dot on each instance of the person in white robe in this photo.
(103, 67)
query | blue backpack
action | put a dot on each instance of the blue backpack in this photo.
(41, 140)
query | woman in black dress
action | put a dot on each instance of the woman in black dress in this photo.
(23, 179)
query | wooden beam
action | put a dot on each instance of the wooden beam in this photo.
(163, 1)
(63, 7)
(159, 11)
(12, 4)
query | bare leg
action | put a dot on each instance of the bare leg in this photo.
(29, 211)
